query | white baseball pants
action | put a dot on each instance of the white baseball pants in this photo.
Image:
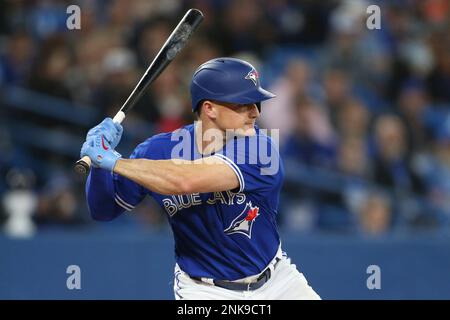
(285, 283)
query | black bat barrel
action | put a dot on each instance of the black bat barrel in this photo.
(176, 41)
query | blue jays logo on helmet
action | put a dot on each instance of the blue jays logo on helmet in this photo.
(254, 76)
(243, 223)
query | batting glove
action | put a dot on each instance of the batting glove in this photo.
(100, 152)
(110, 130)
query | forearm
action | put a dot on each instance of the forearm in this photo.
(161, 176)
(100, 195)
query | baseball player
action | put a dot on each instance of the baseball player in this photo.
(219, 182)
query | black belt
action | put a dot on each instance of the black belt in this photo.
(239, 286)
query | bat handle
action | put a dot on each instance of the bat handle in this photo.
(83, 165)
(118, 118)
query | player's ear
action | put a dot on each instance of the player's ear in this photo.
(209, 109)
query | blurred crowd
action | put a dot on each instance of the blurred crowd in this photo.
(364, 114)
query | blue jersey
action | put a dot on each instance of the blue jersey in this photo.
(225, 235)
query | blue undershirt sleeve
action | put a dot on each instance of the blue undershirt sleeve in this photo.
(100, 195)
(109, 195)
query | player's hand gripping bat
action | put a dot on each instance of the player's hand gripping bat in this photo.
(176, 41)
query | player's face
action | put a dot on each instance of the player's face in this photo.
(240, 117)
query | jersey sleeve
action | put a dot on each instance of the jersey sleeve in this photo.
(255, 161)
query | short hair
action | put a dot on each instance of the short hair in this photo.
(198, 111)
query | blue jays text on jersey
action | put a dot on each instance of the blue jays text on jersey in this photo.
(172, 204)
(224, 235)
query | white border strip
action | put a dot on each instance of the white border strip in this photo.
(123, 204)
(235, 168)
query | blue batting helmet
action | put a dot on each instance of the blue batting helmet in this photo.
(227, 80)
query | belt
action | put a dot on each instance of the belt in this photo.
(239, 286)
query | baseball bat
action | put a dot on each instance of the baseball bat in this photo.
(174, 43)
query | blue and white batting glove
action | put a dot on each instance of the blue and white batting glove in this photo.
(100, 152)
(110, 130)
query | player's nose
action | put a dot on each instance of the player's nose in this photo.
(253, 111)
